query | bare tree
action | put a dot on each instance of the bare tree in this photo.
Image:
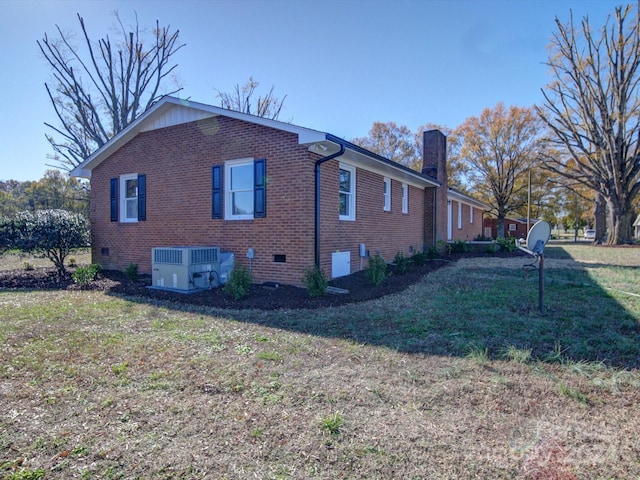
(500, 147)
(242, 99)
(98, 92)
(592, 108)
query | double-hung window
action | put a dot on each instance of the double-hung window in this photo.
(129, 189)
(239, 189)
(347, 192)
(459, 216)
(387, 194)
(128, 198)
(244, 192)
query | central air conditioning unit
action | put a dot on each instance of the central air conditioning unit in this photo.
(185, 269)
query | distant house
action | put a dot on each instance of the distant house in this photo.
(190, 174)
(513, 227)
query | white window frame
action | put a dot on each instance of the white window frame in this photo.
(449, 220)
(387, 194)
(228, 193)
(513, 227)
(405, 198)
(459, 215)
(470, 213)
(124, 199)
(351, 195)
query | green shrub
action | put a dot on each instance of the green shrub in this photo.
(131, 272)
(376, 271)
(27, 266)
(316, 281)
(507, 243)
(431, 252)
(458, 246)
(238, 283)
(72, 262)
(493, 248)
(419, 258)
(402, 263)
(53, 233)
(85, 275)
(443, 248)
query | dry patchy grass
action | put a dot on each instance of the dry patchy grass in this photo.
(19, 261)
(453, 378)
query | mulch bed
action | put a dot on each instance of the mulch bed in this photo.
(262, 297)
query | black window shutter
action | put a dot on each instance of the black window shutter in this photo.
(113, 197)
(260, 188)
(216, 191)
(142, 198)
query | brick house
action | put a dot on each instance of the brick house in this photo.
(185, 173)
(465, 217)
(513, 227)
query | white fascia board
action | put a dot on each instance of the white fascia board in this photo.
(389, 170)
(461, 198)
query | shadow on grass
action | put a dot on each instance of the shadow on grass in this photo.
(483, 306)
(592, 312)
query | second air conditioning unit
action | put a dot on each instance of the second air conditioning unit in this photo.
(185, 269)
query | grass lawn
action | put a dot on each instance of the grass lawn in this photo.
(459, 376)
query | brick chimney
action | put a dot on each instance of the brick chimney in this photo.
(434, 164)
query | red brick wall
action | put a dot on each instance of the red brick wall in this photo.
(469, 231)
(177, 162)
(382, 232)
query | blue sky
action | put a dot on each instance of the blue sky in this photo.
(342, 64)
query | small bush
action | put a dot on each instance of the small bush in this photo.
(443, 248)
(72, 262)
(507, 243)
(431, 252)
(85, 275)
(131, 272)
(238, 283)
(458, 246)
(419, 259)
(316, 281)
(402, 263)
(376, 271)
(27, 266)
(493, 248)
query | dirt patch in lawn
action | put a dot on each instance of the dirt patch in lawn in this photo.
(260, 296)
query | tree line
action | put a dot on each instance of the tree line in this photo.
(579, 146)
(56, 190)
